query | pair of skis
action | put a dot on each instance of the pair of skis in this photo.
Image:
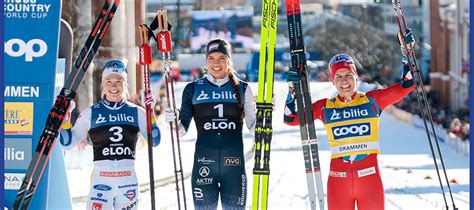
(263, 126)
(61, 105)
(163, 39)
(304, 104)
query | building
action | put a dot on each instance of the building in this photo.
(450, 52)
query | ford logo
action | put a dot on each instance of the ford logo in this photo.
(102, 187)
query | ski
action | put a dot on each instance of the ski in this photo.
(61, 105)
(263, 127)
(145, 59)
(164, 47)
(304, 104)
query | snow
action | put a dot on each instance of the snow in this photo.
(406, 164)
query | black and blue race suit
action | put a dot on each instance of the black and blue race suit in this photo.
(219, 164)
(113, 129)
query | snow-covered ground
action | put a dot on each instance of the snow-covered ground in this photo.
(407, 168)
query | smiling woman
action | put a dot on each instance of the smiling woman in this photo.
(114, 81)
(113, 125)
(351, 119)
(219, 104)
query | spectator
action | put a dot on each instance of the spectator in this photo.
(455, 129)
(465, 131)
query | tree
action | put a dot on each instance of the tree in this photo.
(376, 52)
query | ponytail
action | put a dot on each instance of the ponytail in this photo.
(235, 84)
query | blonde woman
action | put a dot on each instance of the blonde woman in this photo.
(113, 125)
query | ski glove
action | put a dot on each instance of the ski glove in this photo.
(170, 115)
(72, 105)
(150, 99)
(290, 106)
(407, 77)
(67, 118)
(409, 40)
(293, 75)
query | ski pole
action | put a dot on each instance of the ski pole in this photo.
(165, 47)
(423, 100)
(144, 53)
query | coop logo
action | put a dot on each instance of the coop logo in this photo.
(30, 49)
(361, 129)
(13, 181)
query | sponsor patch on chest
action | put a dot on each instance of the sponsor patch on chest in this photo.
(352, 113)
(216, 95)
(339, 174)
(366, 172)
(114, 118)
(360, 129)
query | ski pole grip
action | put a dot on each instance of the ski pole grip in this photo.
(144, 52)
(164, 41)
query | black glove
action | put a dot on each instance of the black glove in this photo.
(407, 77)
(293, 75)
(409, 40)
(290, 106)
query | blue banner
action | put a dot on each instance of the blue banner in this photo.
(2, 198)
(31, 38)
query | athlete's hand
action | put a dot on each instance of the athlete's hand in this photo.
(290, 101)
(66, 124)
(406, 78)
(72, 105)
(170, 115)
(290, 106)
(409, 38)
(150, 99)
(409, 41)
(293, 75)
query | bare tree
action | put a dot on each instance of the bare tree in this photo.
(375, 51)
